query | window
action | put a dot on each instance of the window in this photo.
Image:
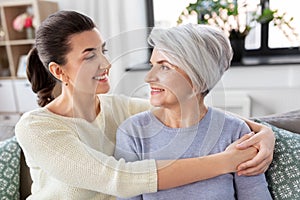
(265, 44)
(277, 38)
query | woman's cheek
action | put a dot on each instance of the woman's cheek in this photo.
(85, 76)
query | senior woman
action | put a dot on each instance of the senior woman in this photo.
(187, 62)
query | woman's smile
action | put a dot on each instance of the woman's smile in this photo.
(155, 90)
(101, 78)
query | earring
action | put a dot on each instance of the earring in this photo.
(65, 80)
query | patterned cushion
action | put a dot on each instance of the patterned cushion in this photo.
(9, 169)
(283, 175)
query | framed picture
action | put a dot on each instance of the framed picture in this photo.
(22, 66)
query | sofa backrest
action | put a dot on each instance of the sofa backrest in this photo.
(289, 121)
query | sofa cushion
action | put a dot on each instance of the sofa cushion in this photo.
(283, 175)
(9, 169)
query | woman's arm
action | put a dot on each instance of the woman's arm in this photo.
(184, 171)
(174, 173)
(264, 141)
(56, 150)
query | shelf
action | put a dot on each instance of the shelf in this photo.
(16, 44)
(20, 42)
(16, 3)
(3, 43)
(10, 13)
(15, 90)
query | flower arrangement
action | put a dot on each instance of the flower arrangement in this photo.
(23, 21)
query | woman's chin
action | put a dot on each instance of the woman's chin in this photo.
(103, 89)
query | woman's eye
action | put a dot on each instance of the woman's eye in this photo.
(89, 57)
(164, 67)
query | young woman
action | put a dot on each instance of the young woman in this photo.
(187, 61)
(69, 142)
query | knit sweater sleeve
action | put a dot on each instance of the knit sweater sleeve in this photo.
(54, 147)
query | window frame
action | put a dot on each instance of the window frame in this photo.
(264, 50)
(262, 55)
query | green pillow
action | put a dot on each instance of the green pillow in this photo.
(9, 169)
(283, 175)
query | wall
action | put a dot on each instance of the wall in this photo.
(272, 89)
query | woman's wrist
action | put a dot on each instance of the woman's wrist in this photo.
(231, 158)
(227, 162)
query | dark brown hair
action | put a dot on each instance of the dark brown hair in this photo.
(52, 45)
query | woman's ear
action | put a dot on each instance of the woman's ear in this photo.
(57, 71)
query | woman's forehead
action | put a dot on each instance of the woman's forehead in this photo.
(86, 39)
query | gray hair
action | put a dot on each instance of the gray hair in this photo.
(202, 51)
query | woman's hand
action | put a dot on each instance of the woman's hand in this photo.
(264, 141)
(238, 156)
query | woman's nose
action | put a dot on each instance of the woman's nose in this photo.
(151, 75)
(105, 64)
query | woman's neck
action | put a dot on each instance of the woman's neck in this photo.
(85, 106)
(185, 115)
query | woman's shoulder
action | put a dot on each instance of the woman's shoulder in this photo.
(39, 118)
(36, 113)
(229, 122)
(34, 122)
(40, 114)
(223, 115)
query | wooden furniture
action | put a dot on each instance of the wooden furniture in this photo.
(14, 44)
(16, 96)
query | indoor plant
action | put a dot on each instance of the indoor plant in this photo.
(236, 20)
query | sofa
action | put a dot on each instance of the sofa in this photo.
(283, 175)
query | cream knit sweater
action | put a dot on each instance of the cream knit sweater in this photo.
(70, 158)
